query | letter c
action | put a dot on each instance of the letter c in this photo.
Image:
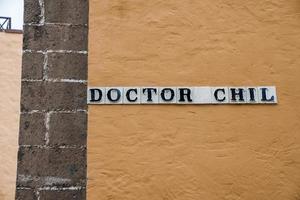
(128, 95)
(217, 96)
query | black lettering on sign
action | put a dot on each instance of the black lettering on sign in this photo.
(149, 92)
(217, 92)
(185, 95)
(129, 92)
(264, 95)
(237, 94)
(182, 95)
(115, 91)
(252, 94)
(167, 94)
(96, 95)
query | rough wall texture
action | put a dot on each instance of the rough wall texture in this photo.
(195, 152)
(52, 138)
(10, 85)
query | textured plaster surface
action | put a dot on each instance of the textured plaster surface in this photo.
(10, 82)
(230, 152)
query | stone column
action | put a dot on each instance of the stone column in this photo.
(53, 125)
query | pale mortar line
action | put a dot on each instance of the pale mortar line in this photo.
(45, 180)
(55, 24)
(68, 80)
(45, 68)
(24, 188)
(54, 111)
(31, 112)
(54, 80)
(42, 15)
(62, 188)
(67, 51)
(32, 80)
(72, 147)
(47, 125)
(28, 51)
(52, 147)
(37, 194)
(55, 51)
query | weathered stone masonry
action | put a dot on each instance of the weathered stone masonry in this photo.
(53, 125)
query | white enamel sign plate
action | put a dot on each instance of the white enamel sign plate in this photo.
(182, 95)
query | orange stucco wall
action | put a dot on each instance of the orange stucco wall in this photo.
(207, 152)
(10, 85)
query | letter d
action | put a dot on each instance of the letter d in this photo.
(95, 95)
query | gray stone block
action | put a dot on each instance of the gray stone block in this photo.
(68, 129)
(63, 194)
(32, 65)
(32, 11)
(53, 96)
(67, 66)
(32, 129)
(55, 37)
(66, 11)
(25, 194)
(51, 167)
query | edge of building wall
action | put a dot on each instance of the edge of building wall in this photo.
(52, 157)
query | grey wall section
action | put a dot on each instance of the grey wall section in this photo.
(53, 124)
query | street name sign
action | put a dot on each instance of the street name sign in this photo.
(182, 95)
